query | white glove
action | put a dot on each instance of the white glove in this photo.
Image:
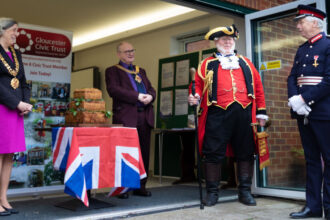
(296, 102)
(304, 110)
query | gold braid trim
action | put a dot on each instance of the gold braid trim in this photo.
(223, 29)
(253, 96)
(208, 79)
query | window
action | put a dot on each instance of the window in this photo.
(193, 42)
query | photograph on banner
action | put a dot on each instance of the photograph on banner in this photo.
(167, 75)
(47, 57)
(182, 73)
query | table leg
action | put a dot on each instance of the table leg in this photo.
(160, 155)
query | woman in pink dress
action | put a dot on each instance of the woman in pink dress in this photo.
(14, 98)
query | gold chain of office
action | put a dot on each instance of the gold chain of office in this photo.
(14, 82)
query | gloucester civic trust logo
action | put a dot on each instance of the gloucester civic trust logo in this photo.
(40, 43)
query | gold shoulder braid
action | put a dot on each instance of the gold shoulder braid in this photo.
(208, 80)
(14, 82)
(136, 72)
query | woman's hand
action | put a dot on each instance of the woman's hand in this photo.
(24, 107)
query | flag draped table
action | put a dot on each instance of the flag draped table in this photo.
(97, 157)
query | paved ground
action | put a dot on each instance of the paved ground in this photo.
(266, 209)
(179, 202)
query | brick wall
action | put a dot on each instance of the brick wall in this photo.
(258, 4)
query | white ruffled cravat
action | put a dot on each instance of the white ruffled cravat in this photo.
(228, 62)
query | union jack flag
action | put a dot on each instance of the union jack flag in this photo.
(95, 158)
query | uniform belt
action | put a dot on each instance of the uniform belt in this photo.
(309, 80)
(140, 108)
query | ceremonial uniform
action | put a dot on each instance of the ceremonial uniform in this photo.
(310, 77)
(309, 84)
(240, 87)
(231, 95)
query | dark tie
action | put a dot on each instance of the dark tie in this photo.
(139, 86)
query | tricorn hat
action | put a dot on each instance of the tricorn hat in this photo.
(215, 33)
(305, 10)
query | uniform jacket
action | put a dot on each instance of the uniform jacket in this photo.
(9, 96)
(256, 93)
(125, 97)
(313, 59)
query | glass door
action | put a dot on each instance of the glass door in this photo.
(272, 41)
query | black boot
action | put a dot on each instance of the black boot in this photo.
(212, 177)
(245, 173)
(231, 181)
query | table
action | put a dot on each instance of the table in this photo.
(97, 157)
(161, 133)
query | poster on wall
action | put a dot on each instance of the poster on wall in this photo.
(182, 73)
(166, 100)
(181, 104)
(167, 75)
(46, 54)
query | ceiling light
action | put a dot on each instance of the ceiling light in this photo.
(137, 22)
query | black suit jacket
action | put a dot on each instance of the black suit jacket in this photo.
(125, 97)
(8, 96)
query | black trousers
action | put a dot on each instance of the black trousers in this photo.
(144, 132)
(315, 139)
(230, 126)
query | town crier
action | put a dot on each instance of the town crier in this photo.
(230, 92)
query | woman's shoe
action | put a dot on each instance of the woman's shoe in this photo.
(11, 211)
(5, 213)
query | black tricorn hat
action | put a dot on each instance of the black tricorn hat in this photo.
(215, 33)
(305, 10)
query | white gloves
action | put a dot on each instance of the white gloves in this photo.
(296, 102)
(304, 110)
(298, 105)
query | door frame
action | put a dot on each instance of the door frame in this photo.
(249, 20)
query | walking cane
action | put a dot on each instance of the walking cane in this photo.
(193, 91)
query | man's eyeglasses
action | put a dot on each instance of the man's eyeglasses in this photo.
(128, 51)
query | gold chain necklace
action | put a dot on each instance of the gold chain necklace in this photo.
(14, 82)
(137, 70)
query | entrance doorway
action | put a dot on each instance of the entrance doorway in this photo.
(272, 42)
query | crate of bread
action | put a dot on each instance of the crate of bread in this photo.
(87, 107)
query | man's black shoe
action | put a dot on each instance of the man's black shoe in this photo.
(123, 196)
(142, 192)
(327, 214)
(305, 213)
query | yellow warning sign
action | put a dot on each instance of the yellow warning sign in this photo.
(270, 65)
(273, 64)
(262, 67)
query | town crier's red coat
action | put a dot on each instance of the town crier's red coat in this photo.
(203, 80)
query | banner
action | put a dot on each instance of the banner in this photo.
(47, 57)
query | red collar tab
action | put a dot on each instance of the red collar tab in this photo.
(315, 38)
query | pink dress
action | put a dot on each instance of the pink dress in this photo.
(12, 138)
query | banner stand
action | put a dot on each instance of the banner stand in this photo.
(76, 204)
